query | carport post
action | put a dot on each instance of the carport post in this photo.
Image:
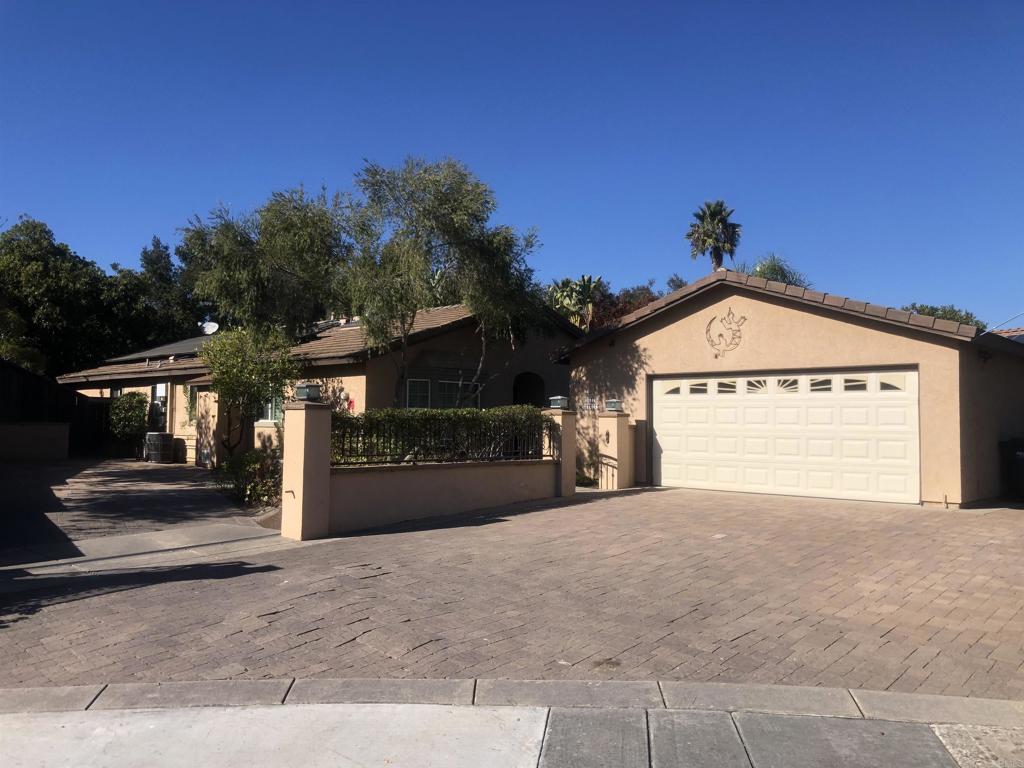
(565, 480)
(306, 475)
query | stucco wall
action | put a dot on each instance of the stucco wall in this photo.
(336, 379)
(180, 425)
(777, 336)
(368, 497)
(33, 440)
(992, 405)
(462, 346)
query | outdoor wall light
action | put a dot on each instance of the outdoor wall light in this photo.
(559, 401)
(613, 406)
(310, 392)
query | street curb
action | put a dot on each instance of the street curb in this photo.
(678, 696)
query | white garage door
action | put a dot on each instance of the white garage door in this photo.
(849, 435)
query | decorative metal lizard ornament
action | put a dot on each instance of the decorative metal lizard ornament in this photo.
(725, 342)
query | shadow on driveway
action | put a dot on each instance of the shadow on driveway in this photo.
(54, 504)
(23, 594)
(505, 513)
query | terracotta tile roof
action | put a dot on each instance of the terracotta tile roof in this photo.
(334, 343)
(1014, 334)
(350, 340)
(800, 295)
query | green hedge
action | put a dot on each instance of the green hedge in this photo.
(398, 435)
(129, 418)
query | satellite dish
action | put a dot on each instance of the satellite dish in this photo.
(209, 328)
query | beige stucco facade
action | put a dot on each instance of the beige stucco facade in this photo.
(968, 400)
(446, 356)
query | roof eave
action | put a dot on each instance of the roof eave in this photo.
(756, 286)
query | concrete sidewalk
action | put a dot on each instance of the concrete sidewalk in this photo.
(498, 723)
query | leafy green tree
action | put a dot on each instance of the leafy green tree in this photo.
(675, 282)
(421, 235)
(249, 368)
(151, 305)
(128, 419)
(57, 296)
(280, 266)
(591, 303)
(714, 233)
(947, 312)
(775, 267)
(174, 309)
(574, 299)
(15, 345)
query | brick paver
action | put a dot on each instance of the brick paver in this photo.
(657, 584)
(85, 499)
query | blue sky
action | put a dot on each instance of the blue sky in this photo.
(877, 145)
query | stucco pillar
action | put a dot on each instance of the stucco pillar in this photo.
(306, 475)
(566, 421)
(616, 450)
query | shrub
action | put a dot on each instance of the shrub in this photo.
(399, 435)
(253, 477)
(129, 417)
(248, 368)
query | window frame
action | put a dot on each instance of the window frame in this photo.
(820, 384)
(273, 412)
(784, 389)
(856, 383)
(756, 386)
(429, 393)
(459, 384)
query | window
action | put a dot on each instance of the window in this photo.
(756, 386)
(673, 391)
(699, 388)
(273, 410)
(457, 394)
(726, 388)
(116, 391)
(417, 393)
(158, 408)
(855, 384)
(191, 401)
(821, 385)
(789, 386)
(892, 382)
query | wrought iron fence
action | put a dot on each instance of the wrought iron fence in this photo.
(397, 436)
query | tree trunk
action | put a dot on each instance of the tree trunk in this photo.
(716, 259)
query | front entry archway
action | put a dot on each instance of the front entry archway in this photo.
(528, 389)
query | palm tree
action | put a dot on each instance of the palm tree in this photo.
(575, 299)
(774, 267)
(712, 233)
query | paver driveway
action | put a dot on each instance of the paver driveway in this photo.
(54, 503)
(655, 584)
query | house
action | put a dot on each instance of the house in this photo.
(1013, 334)
(735, 383)
(443, 359)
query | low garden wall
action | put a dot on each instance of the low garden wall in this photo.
(33, 440)
(367, 497)
(320, 500)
